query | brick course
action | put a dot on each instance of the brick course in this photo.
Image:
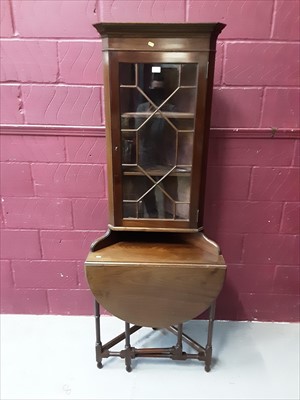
(275, 64)
(232, 183)
(11, 105)
(55, 19)
(253, 279)
(243, 217)
(290, 222)
(62, 105)
(90, 150)
(142, 11)
(90, 213)
(281, 108)
(24, 301)
(236, 107)
(240, 17)
(32, 148)
(6, 26)
(38, 213)
(37, 57)
(67, 245)
(45, 274)
(80, 62)
(285, 24)
(71, 301)
(271, 248)
(250, 152)
(6, 277)
(68, 180)
(16, 179)
(286, 279)
(20, 244)
(275, 184)
(276, 307)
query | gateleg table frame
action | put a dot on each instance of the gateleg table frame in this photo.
(174, 353)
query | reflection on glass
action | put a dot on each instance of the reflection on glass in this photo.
(128, 148)
(188, 75)
(179, 187)
(157, 103)
(185, 148)
(135, 187)
(127, 74)
(157, 139)
(148, 206)
(129, 209)
(182, 210)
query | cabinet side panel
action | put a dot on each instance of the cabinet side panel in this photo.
(208, 103)
(115, 140)
(108, 96)
(199, 141)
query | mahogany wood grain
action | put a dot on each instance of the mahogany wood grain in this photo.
(157, 43)
(156, 280)
(112, 29)
(150, 271)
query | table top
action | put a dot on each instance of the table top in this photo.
(187, 249)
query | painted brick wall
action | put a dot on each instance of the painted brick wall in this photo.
(53, 164)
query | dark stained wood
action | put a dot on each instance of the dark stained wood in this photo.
(200, 133)
(153, 226)
(113, 137)
(170, 43)
(166, 113)
(165, 248)
(161, 278)
(156, 280)
(108, 239)
(206, 128)
(158, 44)
(108, 114)
(112, 29)
(150, 271)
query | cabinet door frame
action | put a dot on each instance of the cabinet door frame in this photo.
(114, 136)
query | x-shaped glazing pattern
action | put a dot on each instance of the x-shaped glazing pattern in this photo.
(149, 112)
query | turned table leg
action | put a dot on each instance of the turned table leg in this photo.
(127, 347)
(98, 337)
(208, 349)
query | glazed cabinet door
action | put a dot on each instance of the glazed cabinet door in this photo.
(157, 129)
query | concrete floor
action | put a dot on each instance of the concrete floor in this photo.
(52, 357)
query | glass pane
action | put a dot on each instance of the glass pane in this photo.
(168, 211)
(157, 143)
(184, 101)
(182, 211)
(127, 74)
(128, 148)
(130, 100)
(134, 186)
(185, 148)
(178, 186)
(160, 201)
(184, 123)
(148, 206)
(129, 210)
(189, 75)
(156, 204)
(157, 104)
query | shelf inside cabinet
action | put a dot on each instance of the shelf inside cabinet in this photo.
(158, 114)
(156, 171)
